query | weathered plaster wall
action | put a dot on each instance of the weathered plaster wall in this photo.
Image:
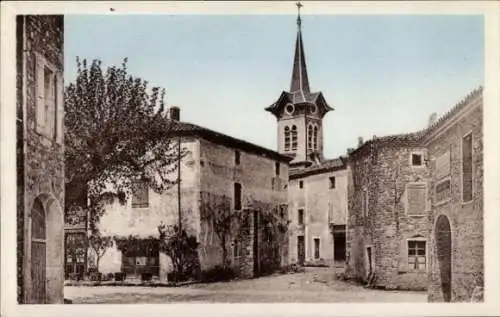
(322, 205)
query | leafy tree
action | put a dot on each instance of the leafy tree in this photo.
(100, 244)
(117, 133)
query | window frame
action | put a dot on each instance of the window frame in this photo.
(237, 203)
(426, 255)
(277, 168)
(55, 130)
(294, 137)
(301, 216)
(237, 157)
(287, 138)
(300, 184)
(317, 248)
(422, 159)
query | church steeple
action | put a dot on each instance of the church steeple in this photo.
(300, 112)
(300, 82)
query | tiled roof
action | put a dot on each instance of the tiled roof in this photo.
(189, 129)
(324, 166)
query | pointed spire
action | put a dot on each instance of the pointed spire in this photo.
(300, 82)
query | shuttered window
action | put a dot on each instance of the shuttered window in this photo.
(467, 168)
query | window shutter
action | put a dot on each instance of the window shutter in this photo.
(60, 108)
(39, 95)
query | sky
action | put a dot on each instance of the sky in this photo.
(382, 74)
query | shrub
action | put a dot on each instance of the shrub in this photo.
(119, 276)
(217, 274)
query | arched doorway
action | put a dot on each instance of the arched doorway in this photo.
(47, 247)
(38, 253)
(443, 249)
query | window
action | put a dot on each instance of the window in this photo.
(416, 159)
(301, 217)
(287, 138)
(467, 168)
(49, 100)
(237, 196)
(301, 184)
(237, 155)
(316, 248)
(310, 137)
(294, 137)
(277, 168)
(416, 255)
(140, 195)
(315, 138)
(332, 182)
(416, 198)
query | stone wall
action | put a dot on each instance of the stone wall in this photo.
(465, 218)
(322, 206)
(41, 175)
(381, 174)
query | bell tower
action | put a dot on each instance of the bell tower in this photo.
(299, 112)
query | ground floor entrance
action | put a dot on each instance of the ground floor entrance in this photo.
(443, 249)
(339, 244)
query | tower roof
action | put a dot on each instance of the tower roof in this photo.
(300, 92)
(300, 82)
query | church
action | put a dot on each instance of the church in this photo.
(317, 187)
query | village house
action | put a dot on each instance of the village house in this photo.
(455, 149)
(388, 225)
(218, 170)
(317, 189)
(40, 158)
(415, 204)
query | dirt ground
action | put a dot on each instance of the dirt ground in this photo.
(315, 285)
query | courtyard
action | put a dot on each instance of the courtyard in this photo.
(314, 285)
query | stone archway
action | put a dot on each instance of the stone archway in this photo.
(47, 250)
(443, 250)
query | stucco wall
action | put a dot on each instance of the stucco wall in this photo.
(322, 205)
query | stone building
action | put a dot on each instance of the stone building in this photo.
(218, 171)
(317, 190)
(388, 225)
(40, 158)
(455, 150)
(415, 204)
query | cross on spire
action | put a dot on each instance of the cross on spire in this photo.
(299, 5)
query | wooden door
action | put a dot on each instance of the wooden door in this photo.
(38, 254)
(443, 248)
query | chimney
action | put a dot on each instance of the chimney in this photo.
(175, 113)
(360, 141)
(432, 119)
